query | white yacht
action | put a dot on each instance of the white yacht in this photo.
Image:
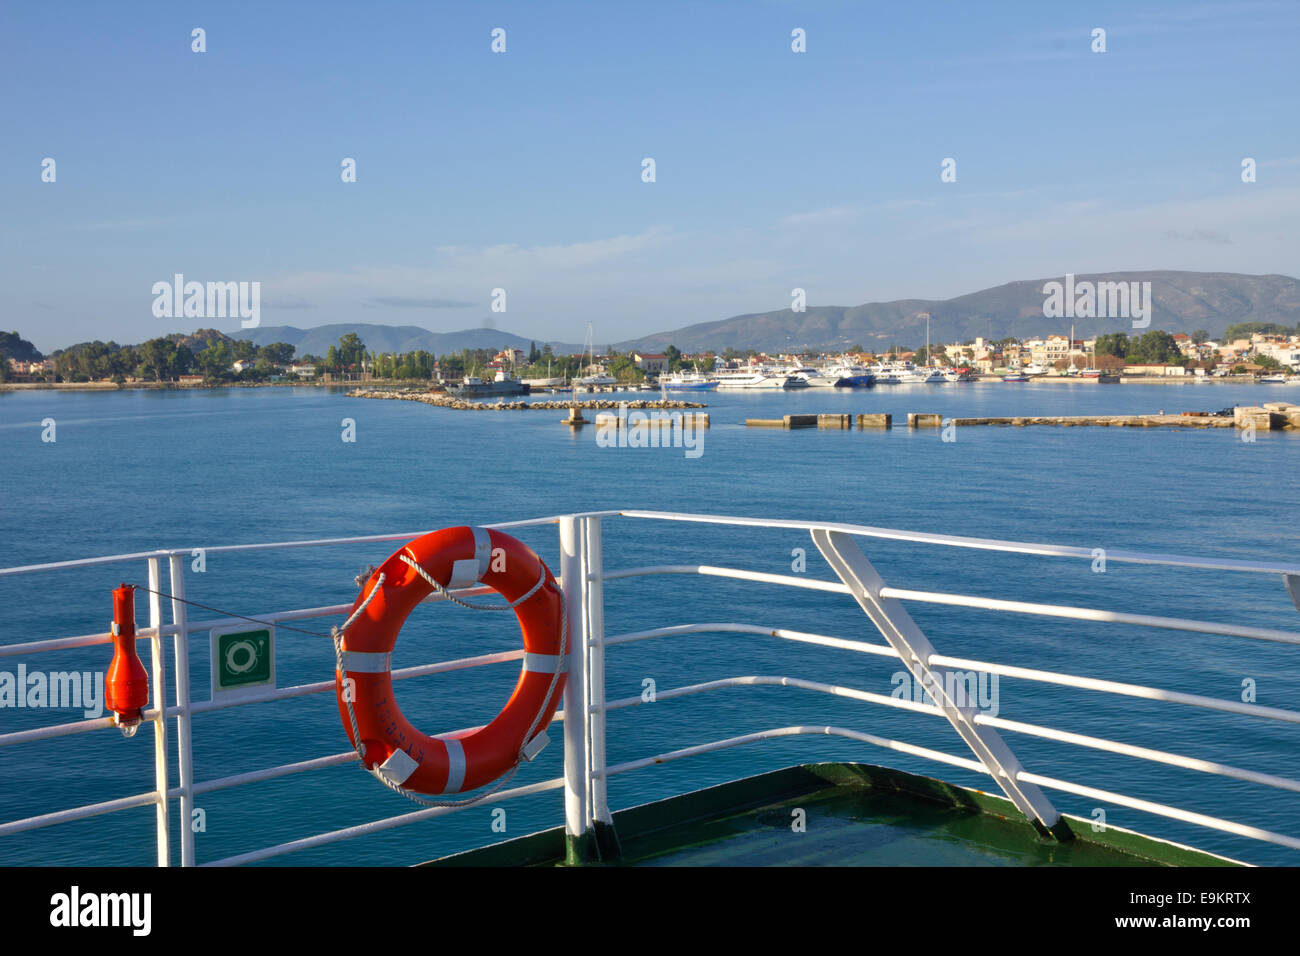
(600, 378)
(755, 378)
(840, 376)
(899, 373)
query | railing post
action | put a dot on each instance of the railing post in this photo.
(607, 845)
(161, 777)
(184, 753)
(578, 837)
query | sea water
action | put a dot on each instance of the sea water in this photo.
(132, 471)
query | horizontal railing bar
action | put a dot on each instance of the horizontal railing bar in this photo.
(69, 643)
(376, 826)
(58, 730)
(792, 732)
(331, 610)
(84, 562)
(1092, 614)
(270, 773)
(920, 537)
(278, 693)
(1048, 733)
(287, 769)
(79, 813)
(273, 617)
(1048, 677)
(984, 544)
(270, 546)
(1160, 809)
(751, 680)
(972, 601)
(822, 640)
(1186, 816)
(1115, 687)
(325, 686)
(1141, 753)
(812, 584)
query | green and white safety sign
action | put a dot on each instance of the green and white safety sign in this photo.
(243, 662)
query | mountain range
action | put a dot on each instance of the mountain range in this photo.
(1181, 302)
(390, 338)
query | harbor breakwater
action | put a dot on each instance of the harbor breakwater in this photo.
(440, 400)
(1272, 416)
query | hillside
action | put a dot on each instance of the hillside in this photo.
(1183, 302)
(389, 338)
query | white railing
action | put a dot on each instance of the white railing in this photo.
(582, 577)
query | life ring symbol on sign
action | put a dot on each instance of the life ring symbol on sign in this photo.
(251, 657)
(389, 746)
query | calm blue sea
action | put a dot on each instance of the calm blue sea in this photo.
(132, 471)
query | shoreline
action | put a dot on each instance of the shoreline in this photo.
(392, 384)
(158, 386)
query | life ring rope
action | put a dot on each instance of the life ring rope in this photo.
(556, 671)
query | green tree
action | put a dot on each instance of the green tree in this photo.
(277, 353)
(1200, 336)
(352, 351)
(1113, 343)
(1156, 346)
(215, 361)
(1244, 330)
(157, 356)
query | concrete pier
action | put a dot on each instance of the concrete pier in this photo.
(1114, 421)
(787, 421)
(923, 420)
(880, 420)
(835, 421)
(682, 419)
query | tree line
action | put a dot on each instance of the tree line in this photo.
(169, 357)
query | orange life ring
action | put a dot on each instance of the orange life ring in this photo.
(465, 760)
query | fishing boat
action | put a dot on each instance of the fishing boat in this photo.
(855, 808)
(503, 385)
(1015, 377)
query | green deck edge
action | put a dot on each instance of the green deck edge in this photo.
(655, 822)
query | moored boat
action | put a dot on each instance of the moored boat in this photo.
(502, 386)
(687, 381)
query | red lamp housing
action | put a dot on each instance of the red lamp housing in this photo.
(126, 688)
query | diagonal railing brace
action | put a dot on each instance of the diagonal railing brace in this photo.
(915, 651)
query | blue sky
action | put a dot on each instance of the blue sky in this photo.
(522, 170)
